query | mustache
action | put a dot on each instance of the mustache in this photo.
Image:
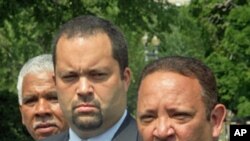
(93, 103)
(44, 124)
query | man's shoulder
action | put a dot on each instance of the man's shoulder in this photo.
(64, 136)
(128, 130)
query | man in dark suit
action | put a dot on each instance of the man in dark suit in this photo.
(92, 78)
(177, 100)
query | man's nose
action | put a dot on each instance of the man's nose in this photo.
(163, 129)
(43, 107)
(84, 87)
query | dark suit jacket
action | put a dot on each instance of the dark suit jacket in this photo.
(127, 132)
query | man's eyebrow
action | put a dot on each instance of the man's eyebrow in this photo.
(180, 109)
(99, 70)
(99, 67)
(51, 93)
(27, 97)
(147, 111)
(67, 72)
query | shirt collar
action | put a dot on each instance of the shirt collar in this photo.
(106, 136)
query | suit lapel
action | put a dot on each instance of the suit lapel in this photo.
(127, 131)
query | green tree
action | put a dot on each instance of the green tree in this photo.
(215, 31)
(226, 28)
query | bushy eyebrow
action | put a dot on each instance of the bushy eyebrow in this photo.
(147, 111)
(65, 72)
(29, 97)
(51, 94)
(94, 69)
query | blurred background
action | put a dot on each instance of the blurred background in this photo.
(215, 31)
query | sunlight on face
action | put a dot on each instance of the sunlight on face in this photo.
(89, 83)
(170, 107)
(41, 112)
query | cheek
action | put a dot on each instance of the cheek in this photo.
(65, 95)
(146, 132)
(65, 91)
(194, 131)
(59, 117)
(28, 119)
(27, 115)
(110, 93)
(57, 110)
(104, 96)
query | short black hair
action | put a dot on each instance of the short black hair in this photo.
(190, 67)
(89, 25)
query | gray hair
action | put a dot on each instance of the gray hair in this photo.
(41, 63)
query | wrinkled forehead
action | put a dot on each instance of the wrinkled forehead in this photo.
(169, 86)
(38, 79)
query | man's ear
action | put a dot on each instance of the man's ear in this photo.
(218, 115)
(127, 77)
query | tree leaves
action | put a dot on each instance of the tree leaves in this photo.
(214, 31)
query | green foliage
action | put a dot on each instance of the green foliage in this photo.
(183, 37)
(216, 31)
(11, 119)
(243, 107)
(226, 23)
(136, 62)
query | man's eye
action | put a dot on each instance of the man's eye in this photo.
(69, 78)
(53, 99)
(29, 102)
(183, 117)
(147, 119)
(98, 75)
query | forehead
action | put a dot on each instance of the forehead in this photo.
(169, 87)
(99, 40)
(37, 81)
(84, 52)
(45, 76)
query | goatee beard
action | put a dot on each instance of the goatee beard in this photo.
(88, 121)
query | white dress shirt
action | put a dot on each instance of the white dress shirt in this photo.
(106, 136)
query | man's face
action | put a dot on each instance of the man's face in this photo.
(91, 91)
(170, 107)
(41, 113)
